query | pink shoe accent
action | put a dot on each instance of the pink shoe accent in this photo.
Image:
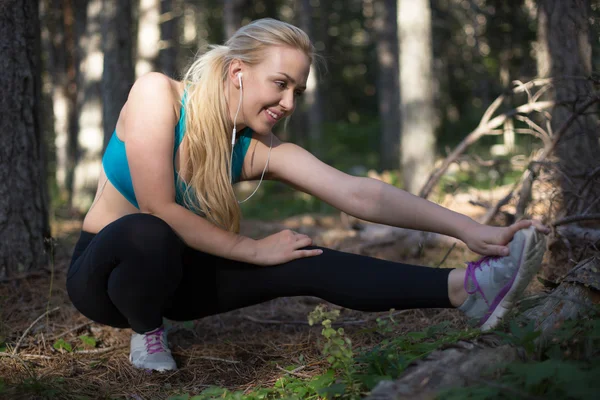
(154, 343)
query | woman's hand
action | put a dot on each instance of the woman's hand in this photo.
(282, 247)
(492, 240)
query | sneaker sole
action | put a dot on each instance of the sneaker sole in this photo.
(531, 260)
(163, 369)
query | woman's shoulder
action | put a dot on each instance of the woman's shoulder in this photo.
(154, 91)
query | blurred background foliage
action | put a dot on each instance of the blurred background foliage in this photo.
(479, 47)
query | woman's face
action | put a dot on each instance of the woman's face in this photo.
(271, 88)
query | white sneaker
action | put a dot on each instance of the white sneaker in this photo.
(151, 351)
(495, 284)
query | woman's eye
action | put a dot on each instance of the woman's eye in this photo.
(281, 85)
(299, 93)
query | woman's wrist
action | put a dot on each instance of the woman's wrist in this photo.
(461, 228)
(245, 250)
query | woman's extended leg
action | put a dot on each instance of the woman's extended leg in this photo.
(488, 287)
(213, 285)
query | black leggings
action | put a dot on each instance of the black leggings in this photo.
(136, 271)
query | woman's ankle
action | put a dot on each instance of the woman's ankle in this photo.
(456, 290)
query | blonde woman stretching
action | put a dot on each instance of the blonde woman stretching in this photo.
(161, 239)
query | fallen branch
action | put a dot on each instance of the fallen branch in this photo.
(100, 351)
(294, 371)
(447, 254)
(78, 327)
(29, 328)
(577, 234)
(527, 177)
(335, 323)
(576, 218)
(491, 213)
(482, 129)
(210, 358)
(466, 362)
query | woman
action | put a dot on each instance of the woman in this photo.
(161, 238)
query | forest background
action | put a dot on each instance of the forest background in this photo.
(485, 105)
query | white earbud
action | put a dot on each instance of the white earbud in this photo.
(240, 79)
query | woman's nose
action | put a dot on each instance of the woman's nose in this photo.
(288, 100)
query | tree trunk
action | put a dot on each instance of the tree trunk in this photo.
(563, 35)
(118, 73)
(416, 92)
(170, 12)
(23, 197)
(67, 149)
(148, 37)
(90, 137)
(465, 362)
(232, 16)
(311, 99)
(388, 89)
(54, 54)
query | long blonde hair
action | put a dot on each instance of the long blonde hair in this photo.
(207, 121)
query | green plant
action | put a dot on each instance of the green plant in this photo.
(523, 336)
(61, 345)
(338, 351)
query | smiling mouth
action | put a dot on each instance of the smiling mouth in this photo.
(275, 117)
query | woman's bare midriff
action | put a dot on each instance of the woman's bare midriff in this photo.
(109, 204)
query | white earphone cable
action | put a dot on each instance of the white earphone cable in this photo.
(233, 134)
(233, 145)
(263, 172)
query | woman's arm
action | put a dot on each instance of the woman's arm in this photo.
(149, 139)
(365, 198)
(379, 202)
(387, 204)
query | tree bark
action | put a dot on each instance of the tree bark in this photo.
(23, 197)
(170, 11)
(118, 72)
(563, 35)
(148, 37)
(232, 16)
(90, 137)
(67, 150)
(416, 92)
(466, 361)
(312, 98)
(388, 89)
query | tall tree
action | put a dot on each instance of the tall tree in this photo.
(67, 149)
(232, 15)
(148, 36)
(54, 52)
(312, 98)
(565, 52)
(90, 137)
(416, 92)
(170, 12)
(388, 89)
(118, 72)
(23, 198)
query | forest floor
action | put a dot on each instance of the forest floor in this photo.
(64, 355)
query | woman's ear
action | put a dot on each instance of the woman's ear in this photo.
(235, 68)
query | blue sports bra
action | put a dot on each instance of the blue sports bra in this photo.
(117, 170)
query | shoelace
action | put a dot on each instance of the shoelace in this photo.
(470, 274)
(154, 341)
